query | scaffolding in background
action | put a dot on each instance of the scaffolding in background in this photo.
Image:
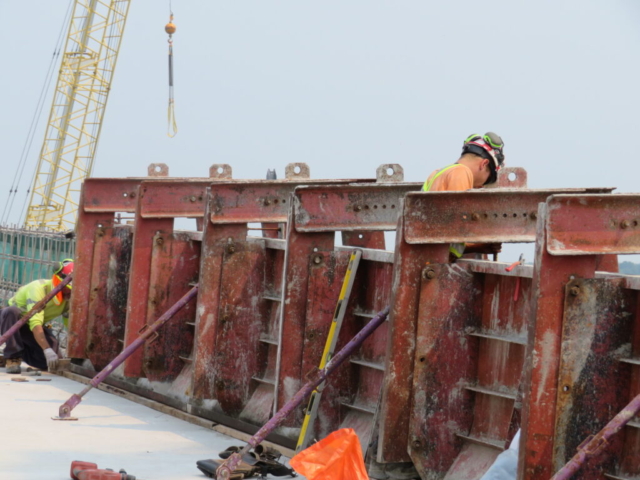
(26, 255)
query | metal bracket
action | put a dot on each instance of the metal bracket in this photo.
(297, 170)
(511, 177)
(152, 338)
(220, 171)
(390, 173)
(158, 170)
(599, 444)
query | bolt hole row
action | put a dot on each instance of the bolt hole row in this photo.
(477, 216)
(357, 208)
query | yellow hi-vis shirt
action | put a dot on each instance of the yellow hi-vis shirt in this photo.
(30, 294)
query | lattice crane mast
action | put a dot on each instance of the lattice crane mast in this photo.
(66, 159)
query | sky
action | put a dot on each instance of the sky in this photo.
(348, 85)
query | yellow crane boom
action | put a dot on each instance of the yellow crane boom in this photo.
(66, 158)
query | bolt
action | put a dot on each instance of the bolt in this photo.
(132, 195)
(317, 259)
(193, 198)
(533, 215)
(624, 224)
(429, 274)
(475, 217)
(416, 444)
(267, 202)
(575, 290)
(231, 248)
(159, 241)
(357, 208)
(100, 232)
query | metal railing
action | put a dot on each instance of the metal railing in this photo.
(29, 254)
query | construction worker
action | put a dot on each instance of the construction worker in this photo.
(481, 159)
(34, 342)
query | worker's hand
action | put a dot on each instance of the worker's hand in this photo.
(52, 359)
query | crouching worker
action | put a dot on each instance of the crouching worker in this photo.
(34, 342)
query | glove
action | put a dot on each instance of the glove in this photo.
(52, 359)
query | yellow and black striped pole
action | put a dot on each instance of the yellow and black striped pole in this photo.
(329, 348)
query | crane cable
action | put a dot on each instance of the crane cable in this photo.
(172, 128)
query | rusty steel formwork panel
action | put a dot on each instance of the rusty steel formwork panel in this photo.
(429, 223)
(234, 209)
(593, 382)
(103, 258)
(314, 270)
(582, 353)
(164, 263)
(250, 349)
(236, 270)
(102, 248)
(103, 251)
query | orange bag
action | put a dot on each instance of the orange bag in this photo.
(336, 457)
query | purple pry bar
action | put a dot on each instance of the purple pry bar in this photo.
(594, 445)
(225, 470)
(75, 399)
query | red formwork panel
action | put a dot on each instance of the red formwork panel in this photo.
(108, 295)
(159, 203)
(580, 330)
(100, 200)
(371, 293)
(429, 223)
(293, 321)
(240, 296)
(314, 271)
(470, 340)
(593, 381)
(103, 253)
(175, 263)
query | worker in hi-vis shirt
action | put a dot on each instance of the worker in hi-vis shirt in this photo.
(481, 159)
(34, 342)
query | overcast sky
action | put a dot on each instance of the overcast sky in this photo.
(348, 85)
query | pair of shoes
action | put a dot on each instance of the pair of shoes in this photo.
(13, 365)
(263, 459)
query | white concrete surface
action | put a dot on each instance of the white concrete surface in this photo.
(111, 431)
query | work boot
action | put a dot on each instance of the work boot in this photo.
(13, 365)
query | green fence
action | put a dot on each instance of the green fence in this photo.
(27, 255)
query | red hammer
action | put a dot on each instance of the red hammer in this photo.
(90, 471)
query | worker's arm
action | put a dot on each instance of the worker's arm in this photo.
(50, 355)
(38, 334)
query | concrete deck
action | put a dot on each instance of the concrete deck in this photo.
(111, 431)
